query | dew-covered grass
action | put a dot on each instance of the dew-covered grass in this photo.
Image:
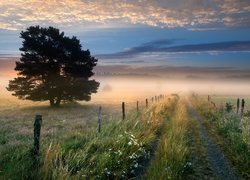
(71, 147)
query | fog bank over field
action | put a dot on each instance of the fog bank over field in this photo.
(127, 83)
(138, 87)
(117, 89)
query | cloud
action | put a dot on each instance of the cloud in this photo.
(84, 14)
(165, 46)
(153, 46)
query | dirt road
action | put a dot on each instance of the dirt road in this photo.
(218, 163)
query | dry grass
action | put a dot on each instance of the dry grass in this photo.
(71, 146)
(171, 159)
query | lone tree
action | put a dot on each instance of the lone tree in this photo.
(53, 67)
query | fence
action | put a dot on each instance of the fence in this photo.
(229, 106)
(38, 124)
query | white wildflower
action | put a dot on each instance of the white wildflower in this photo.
(132, 135)
(119, 152)
(136, 165)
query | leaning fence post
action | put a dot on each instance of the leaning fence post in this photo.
(146, 102)
(242, 106)
(99, 119)
(214, 105)
(37, 132)
(238, 105)
(123, 110)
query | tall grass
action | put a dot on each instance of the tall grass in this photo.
(118, 152)
(230, 130)
(171, 159)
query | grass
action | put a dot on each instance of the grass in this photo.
(71, 146)
(158, 142)
(229, 130)
(172, 156)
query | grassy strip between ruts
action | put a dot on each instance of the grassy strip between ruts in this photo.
(231, 132)
(118, 152)
(199, 155)
(172, 156)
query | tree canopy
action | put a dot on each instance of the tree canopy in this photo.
(53, 67)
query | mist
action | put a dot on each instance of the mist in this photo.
(131, 88)
(123, 83)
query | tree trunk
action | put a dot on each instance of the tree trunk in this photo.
(54, 94)
(58, 101)
(52, 102)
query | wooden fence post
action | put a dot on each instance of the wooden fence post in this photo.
(137, 105)
(242, 106)
(208, 98)
(123, 110)
(99, 119)
(238, 105)
(37, 132)
(214, 105)
(146, 102)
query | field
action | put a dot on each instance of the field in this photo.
(169, 139)
(70, 142)
(124, 90)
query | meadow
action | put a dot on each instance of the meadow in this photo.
(160, 141)
(125, 90)
(71, 145)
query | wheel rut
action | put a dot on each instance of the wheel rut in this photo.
(218, 163)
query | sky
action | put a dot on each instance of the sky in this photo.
(140, 33)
